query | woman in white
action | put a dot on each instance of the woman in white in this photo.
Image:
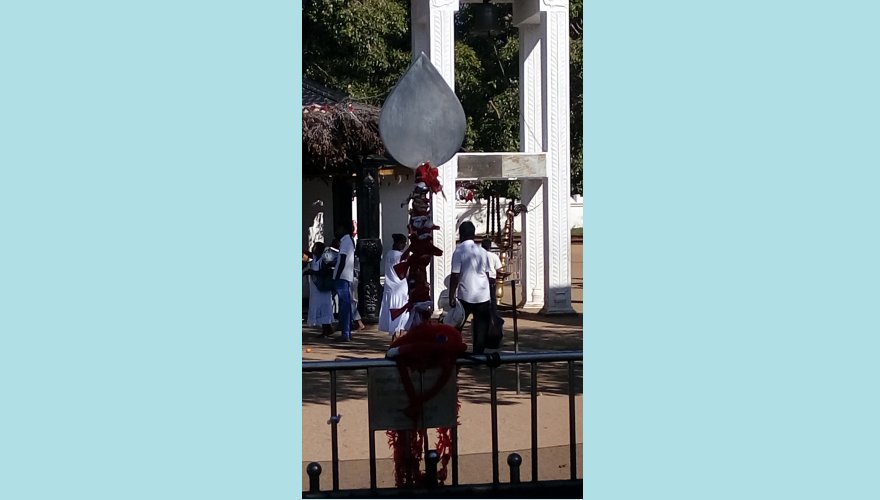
(320, 302)
(396, 293)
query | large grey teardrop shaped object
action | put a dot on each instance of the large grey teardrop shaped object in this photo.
(422, 119)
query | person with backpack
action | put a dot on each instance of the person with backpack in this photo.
(321, 287)
(344, 275)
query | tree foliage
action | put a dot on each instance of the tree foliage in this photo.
(363, 47)
(576, 94)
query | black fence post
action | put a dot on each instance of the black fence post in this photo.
(431, 460)
(514, 461)
(513, 284)
(314, 472)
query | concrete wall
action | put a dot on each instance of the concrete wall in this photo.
(576, 212)
(393, 218)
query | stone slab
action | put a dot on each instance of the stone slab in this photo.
(501, 165)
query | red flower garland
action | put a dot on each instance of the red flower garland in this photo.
(427, 345)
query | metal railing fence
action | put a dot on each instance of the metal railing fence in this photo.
(493, 362)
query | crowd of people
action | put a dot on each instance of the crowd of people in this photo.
(332, 273)
(333, 270)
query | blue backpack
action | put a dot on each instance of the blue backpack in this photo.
(324, 278)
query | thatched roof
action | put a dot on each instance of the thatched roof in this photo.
(336, 138)
(337, 133)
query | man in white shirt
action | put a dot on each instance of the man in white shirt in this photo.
(469, 283)
(494, 268)
(344, 277)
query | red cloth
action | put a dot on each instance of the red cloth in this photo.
(429, 345)
(418, 254)
(430, 176)
(418, 294)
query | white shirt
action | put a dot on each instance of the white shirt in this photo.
(494, 263)
(346, 247)
(470, 262)
(391, 259)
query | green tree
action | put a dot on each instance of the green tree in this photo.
(576, 94)
(363, 47)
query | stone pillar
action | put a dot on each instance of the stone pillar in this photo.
(369, 246)
(531, 140)
(433, 23)
(555, 49)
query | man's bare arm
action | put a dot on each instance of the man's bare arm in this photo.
(453, 288)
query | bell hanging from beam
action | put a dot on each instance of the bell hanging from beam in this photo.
(486, 19)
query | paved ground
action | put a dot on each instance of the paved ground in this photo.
(536, 333)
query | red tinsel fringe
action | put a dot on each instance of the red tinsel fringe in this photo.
(408, 448)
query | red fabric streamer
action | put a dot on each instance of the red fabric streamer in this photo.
(418, 254)
(395, 313)
(420, 293)
(427, 345)
(430, 176)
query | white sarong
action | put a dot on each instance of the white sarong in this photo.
(395, 296)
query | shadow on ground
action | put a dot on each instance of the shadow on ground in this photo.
(535, 334)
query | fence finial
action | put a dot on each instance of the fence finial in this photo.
(514, 461)
(314, 472)
(431, 460)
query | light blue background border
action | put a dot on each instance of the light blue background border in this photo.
(731, 284)
(297, 186)
(149, 226)
(148, 206)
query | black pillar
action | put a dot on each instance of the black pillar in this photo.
(369, 248)
(342, 191)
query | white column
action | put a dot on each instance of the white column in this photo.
(557, 273)
(531, 140)
(354, 205)
(433, 33)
